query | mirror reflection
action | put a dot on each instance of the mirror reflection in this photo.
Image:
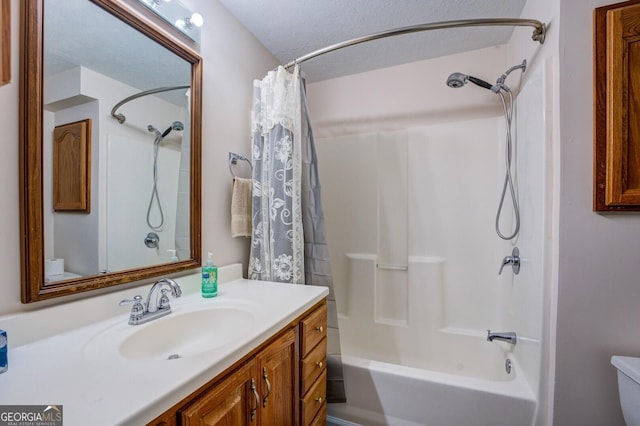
(134, 172)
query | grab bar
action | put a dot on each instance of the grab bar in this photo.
(392, 267)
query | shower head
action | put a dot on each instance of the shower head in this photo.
(457, 79)
(176, 125)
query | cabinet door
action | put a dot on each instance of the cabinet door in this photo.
(232, 402)
(277, 368)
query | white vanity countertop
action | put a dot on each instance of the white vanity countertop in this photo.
(99, 387)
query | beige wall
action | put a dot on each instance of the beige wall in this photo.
(9, 214)
(598, 267)
(232, 59)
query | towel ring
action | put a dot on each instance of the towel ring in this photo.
(233, 160)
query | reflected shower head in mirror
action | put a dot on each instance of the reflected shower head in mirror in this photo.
(458, 79)
(155, 197)
(176, 125)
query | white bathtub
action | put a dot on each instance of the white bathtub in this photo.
(380, 393)
(409, 359)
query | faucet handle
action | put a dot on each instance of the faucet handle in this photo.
(137, 299)
(164, 299)
(137, 310)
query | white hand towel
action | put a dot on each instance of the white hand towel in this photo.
(241, 207)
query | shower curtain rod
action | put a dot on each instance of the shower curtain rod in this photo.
(121, 118)
(539, 31)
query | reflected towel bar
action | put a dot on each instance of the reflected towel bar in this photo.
(392, 267)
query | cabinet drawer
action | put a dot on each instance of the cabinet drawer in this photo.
(315, 399)
(321, 417)
(312, 366)
(314, 329)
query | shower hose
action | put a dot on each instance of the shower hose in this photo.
(154, 192)
(507, 107)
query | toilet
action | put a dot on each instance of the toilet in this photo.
(629, 387)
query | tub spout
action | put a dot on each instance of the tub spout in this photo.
(509, 336)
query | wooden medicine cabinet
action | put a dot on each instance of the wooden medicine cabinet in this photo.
(616, 180)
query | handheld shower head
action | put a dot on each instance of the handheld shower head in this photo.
(176, 125)
(457, 79)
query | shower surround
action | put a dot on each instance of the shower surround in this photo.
(411, 173)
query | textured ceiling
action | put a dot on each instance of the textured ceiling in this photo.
(78, 32)
(293, 28)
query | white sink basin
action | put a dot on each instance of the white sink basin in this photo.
(178, 335)
(191, 333)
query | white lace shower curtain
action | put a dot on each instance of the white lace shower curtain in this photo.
(288, 242)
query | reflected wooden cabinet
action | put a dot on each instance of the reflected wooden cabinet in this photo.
(616, 175)
(283, 382)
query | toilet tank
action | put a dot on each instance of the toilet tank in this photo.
(629, 387)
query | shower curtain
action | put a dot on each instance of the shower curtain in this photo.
(288, 242)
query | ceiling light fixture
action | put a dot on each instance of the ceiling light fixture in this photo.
(195, 20)
(174, 12)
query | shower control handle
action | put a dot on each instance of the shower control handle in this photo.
(513, 260)
(152, 240)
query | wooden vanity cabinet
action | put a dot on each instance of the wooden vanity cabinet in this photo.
(231, 402)
(266, 387)
(262, 391)
(278, 380)
(313, 367)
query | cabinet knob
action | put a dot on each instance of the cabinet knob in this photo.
(319, 400)
(319, 364)
(320, 329)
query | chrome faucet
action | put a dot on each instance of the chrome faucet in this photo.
(509, 336)
(154, 302)
(513, 260)
(157, 304)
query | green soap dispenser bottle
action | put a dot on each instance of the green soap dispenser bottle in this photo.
(209, 278)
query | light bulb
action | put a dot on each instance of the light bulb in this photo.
(196, 19)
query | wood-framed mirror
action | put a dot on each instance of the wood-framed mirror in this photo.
(161, 137)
